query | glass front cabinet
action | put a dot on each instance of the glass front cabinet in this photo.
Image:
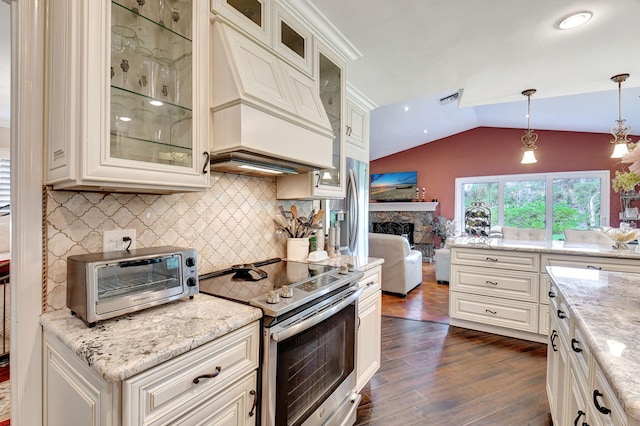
(127, 95)
(326, 183)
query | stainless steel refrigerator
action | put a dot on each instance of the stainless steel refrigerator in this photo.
(351, 214)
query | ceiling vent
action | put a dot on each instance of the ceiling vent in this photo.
(451, 98)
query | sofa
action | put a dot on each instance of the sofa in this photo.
(402, 267)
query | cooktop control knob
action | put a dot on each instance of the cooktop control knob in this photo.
(350, 267)
(190, 262)
(286, 291)
(273, 297)
(343, 270)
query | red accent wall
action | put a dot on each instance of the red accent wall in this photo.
(487, 151)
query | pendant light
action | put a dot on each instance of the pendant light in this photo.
(620, 130)
(529, 138)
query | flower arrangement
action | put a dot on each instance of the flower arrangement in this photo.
(627, 180)
(443, 228)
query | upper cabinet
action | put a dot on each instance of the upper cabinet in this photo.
(127, 105)
(357, 124)
(327, 182)
(251, 16)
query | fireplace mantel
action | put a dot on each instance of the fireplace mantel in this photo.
(403, 207)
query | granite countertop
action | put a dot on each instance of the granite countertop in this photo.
(557, 247)
(605, 305)
(124, 346)
(362, 263)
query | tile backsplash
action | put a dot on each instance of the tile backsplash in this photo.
(230, 223)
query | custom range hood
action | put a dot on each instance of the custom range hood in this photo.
(265, 113)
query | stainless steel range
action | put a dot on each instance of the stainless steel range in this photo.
(309, 337)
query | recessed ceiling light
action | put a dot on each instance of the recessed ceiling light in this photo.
(406, 108)
(574, 20)
(425, 131)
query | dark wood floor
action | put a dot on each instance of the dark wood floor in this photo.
(435, 374)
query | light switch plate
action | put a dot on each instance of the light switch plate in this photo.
(114, 240)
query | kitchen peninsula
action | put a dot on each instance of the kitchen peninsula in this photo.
(594, 352)
(502, 286)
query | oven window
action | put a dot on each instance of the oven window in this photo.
(158, 274)
(312, 364)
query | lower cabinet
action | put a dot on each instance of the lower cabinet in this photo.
(215, 383)
(369, 328)
(578, 391)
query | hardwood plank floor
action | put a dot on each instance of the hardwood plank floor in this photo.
(436, 374)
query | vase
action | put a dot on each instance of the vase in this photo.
(297, 248)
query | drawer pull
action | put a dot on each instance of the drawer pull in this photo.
(574, 342)
(552, 338)
(561, 314)
(255, 402)
(601, 408)
(369, 284)
(552, 294)
(491, 282)
(490, 312)
(208, 376)
(491, 259)
(594, 267)
(580, 414)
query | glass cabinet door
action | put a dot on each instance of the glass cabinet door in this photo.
(151, 117)
(330, 80)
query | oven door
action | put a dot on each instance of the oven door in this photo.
(135, 283)
(309, 365)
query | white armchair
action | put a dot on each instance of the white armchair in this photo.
(402, 267)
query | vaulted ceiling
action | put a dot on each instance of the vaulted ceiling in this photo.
(415, 52)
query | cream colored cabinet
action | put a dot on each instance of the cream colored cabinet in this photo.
(127, 106)
(358, 119)
(215, 383)
(496, 291)
(369, 328)
(272, 24)
(578, 391)
(324, 183)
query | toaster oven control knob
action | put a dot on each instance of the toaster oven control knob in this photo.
(190, 262)
(286, 291)
(191, 282)
(273, 297)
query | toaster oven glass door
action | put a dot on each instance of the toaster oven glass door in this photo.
(126, 284)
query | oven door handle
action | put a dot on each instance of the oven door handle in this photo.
(282, 333)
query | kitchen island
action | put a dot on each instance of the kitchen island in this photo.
(502, 286)
(594, 355)
(172, 363)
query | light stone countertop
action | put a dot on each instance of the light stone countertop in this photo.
(557, 247)
(606, 306)
(124, 346)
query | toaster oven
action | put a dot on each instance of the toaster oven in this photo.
(105, 285)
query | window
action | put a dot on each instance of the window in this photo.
(554, 201)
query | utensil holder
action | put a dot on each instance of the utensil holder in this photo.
(297, 248)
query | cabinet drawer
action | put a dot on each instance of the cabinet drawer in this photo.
(370, 282)
(488, 310)
(563, 315)
(529, 262)
(588, 262)
(605, 399)
(580, 352)
(165, 388)
(545, 288)
(495, 282)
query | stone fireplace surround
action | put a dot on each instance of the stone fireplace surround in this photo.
(422, 225)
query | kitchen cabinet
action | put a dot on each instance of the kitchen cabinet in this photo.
(273, 25)
(129, 107)
(369, 329)
(215, 383)
(357, 124)
(324, 183)
(578, 391)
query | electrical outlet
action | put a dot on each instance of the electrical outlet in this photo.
(115, 240)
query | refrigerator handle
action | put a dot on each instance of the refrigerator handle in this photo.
(352, 202)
